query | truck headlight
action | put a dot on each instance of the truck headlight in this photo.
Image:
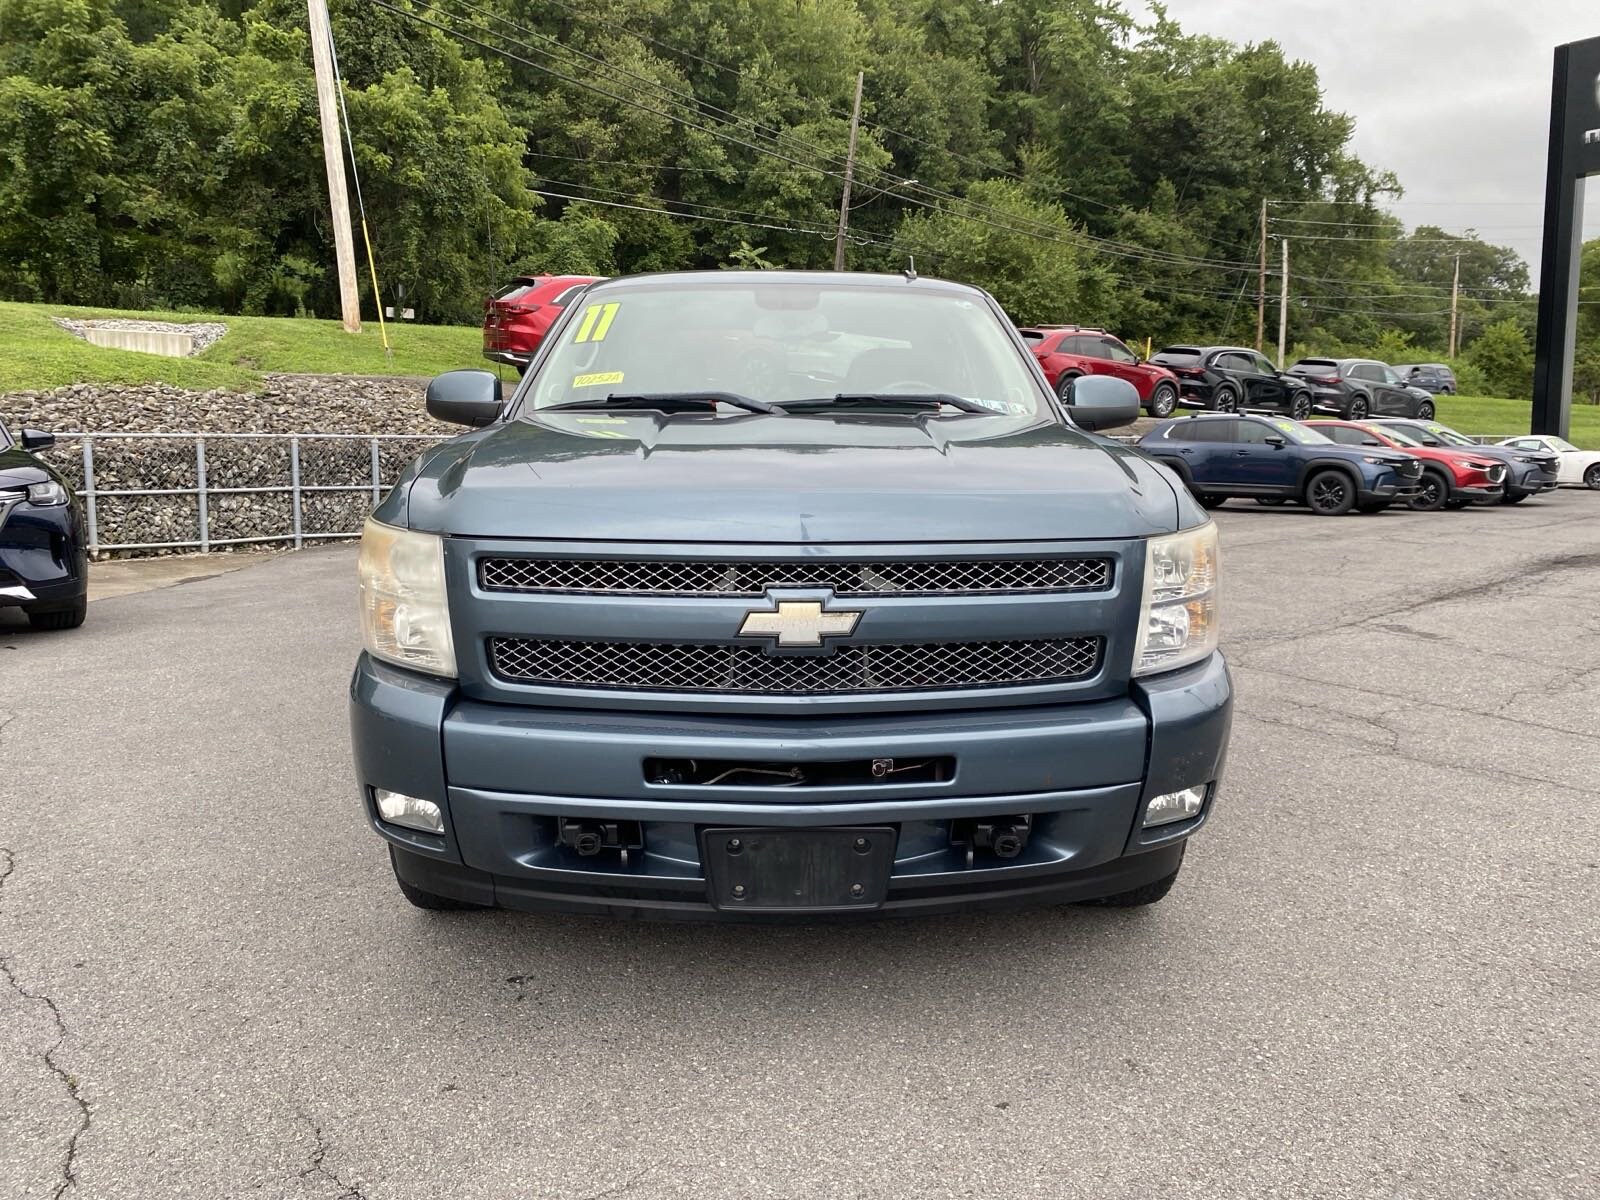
(1178, 615)
(405, 617)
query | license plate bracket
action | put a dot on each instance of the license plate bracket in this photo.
(762, 869)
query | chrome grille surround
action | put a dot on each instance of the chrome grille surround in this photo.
(731, 578)
(750, 670)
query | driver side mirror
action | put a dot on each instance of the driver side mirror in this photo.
(1103, 402)
(465, 397)
(34, 439)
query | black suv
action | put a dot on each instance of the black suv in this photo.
(1435, 378)
(1358, 388)
(1274, 461)
(1234, 378)
(44, 564)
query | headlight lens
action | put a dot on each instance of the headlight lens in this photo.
(1178, 616)
(405, 617)
(47, 494)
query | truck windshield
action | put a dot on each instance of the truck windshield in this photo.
(787, 341)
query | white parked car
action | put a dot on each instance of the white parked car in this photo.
(1577, 466)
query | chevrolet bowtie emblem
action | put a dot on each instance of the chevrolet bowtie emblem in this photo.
(799, 623)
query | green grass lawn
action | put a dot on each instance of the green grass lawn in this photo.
(1492, 415)
(36, 354)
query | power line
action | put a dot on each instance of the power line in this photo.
(616, 162)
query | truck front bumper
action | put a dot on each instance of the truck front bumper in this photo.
(506, 778)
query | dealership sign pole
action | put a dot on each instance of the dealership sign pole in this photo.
(1574, 154)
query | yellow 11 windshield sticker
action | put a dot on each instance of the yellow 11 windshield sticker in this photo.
(596, 322)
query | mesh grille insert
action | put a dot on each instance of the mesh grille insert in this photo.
(682, 667)
(885, 578)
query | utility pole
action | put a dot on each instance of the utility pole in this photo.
(1261, 283)
(1283, 309)
(333, 156)
(1455, 294)
(849, 174)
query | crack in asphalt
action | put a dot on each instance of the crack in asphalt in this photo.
(1397, 751)
(1530, 572)
(317, 1166)
(69, 1158)
(627, 1185)
(1416, 702)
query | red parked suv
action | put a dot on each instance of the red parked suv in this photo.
(1067, 352)
(1451, 478)
(517, 317)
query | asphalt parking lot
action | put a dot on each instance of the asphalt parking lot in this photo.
(1379, 975)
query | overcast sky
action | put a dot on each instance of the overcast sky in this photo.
(1451, 95)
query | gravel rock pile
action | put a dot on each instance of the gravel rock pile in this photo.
(203, 332)
(287, 404)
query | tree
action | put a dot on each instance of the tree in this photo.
(1504, 356)
(1024, 252)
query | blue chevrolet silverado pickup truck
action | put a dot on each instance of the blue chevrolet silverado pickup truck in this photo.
(785, 594)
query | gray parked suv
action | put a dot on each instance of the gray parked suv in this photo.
(1358, 388)
(1434, 378)
(776, 594)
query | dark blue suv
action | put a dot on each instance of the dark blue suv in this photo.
(1274, 460)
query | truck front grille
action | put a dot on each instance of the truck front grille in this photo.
(911, 577)
(682, 667)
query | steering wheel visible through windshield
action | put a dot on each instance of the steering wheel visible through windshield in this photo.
(781, 341)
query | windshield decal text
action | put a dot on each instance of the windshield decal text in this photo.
(596, 322)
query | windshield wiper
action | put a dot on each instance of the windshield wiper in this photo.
(881, 399)
(666, 402)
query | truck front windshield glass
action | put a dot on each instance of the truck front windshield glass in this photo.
(782, 342)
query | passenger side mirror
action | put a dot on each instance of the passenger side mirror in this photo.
(1277, 442)
(1103, 402)
(34, 439)
(465, 397)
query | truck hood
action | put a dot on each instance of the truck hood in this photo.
(784, 479)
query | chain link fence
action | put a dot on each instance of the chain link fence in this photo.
(193, 491)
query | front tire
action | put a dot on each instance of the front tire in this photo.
(1210, 502)
(1432, 494)
(1300, 407)
(1146, 893)
(1330, 493)
(1163, 400)
(1425, 411)
(422, 898)
(1591, 478)
(60, 618)
(1224, 399)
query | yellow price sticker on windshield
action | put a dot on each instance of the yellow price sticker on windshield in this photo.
(596, 322)
(596, 379)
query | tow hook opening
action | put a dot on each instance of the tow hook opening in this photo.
(590, 838)
(1004, 837)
